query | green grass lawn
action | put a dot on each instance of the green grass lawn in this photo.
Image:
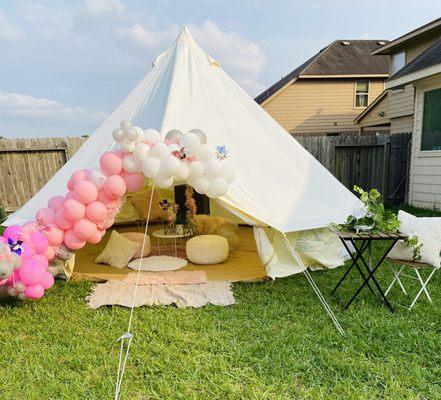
(275, 343)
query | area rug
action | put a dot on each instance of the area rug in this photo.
(167, 278)
(158, 263)
(121, 293)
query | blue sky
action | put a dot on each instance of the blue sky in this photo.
(65, 65)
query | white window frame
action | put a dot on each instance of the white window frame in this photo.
(419, 119)
(393, 68)
(367, 94)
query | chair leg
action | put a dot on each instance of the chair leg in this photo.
(396, 279)
(423, 287)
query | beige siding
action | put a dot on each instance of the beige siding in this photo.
(373, 117)
(319, 105)
(401, 124)
(401, 102)
(425, 171)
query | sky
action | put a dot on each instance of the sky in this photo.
(66, 65)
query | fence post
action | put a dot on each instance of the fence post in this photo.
(386, 165)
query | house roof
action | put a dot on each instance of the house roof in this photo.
(426, 59)
(371, 106)
(399, 42)
(341, 58)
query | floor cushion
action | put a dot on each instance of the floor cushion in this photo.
(118, 251)
(138, 237)
(207, 249)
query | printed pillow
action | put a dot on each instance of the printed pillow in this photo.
(118, 251)
(428, 231)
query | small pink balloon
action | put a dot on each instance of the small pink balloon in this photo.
(62, 222)
(74, 210)
(56, 203)
(50, 252)
(39, 241)
(72, 241)
(42, 260)
(45, 216)
(79, 175)
(48, 280)
(70, 195)
(34, 291)
(31, 272)
(13, 232)
(54, 235)
(84, 229)
(111, 163)
(104, 198)
(134, 182)
(86, 192)
(96, 212)
(28, 250)
(95, 238)
(115, 186)
(70, 185)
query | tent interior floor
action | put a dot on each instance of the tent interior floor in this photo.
(243, 263)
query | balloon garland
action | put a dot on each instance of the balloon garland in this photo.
(95, 196)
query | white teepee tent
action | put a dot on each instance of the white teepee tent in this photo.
(278, 183)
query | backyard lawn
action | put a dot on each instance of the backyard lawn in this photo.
(275, 343)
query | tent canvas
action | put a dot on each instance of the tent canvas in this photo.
(278, 183)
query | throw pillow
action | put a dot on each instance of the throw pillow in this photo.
(118, 251)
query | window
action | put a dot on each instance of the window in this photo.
(431, 130)
(397, 61)
(361, 93)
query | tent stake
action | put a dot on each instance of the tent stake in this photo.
(315, 287)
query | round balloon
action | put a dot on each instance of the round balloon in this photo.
(84, 229)
(201, 185)
(111, 163)
(115, 186)
(62, 221)
(150, 167)
(134, 182)
(86, 192)
(173, 136)
(56, 203)
(140, 152)
(152, 136)
(130, 164)
(96, 212)
(200, 134)
(74, 210)
(72, 241)
(34, 291)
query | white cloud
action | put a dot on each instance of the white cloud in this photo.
(31, 111)
(9, 30)
(101, 8)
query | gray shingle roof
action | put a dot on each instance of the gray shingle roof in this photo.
(431, 56)
(337, 59)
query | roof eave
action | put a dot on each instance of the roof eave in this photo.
(314, 76)
(413, 76)
(370, 106)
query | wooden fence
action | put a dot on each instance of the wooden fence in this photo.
(371, 161)
(27, 164)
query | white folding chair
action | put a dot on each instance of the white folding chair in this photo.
(416, 267)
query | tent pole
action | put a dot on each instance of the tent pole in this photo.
(314, 287)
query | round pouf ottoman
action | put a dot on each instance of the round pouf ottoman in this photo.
(207, 249)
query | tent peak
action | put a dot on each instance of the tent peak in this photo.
(185, 35)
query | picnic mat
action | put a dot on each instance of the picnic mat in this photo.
(121, 293)
(167, 278)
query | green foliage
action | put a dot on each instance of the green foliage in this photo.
(416, 247)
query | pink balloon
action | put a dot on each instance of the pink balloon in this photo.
(96, 212)
(84, 229)
(104, 198)
(39, 241)
(13, 232)
(31, 272)
(111, 163)
(50, 253)
(45, 216)
(115, 186)
(86, 192)
(48, 280)
(134, 182)
(28, 250)
(42, 260)
(74, 210)
(54, 235)
(108, 223)
(72, 241)
(70, 195)
(62, 222)
(78, 176)
(34, 291)
(95, 238)
(56, 203)
(70, 185)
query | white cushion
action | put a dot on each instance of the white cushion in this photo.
(207, 249)
(428, 231)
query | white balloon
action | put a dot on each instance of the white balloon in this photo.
(141, 151)
(130, 164)
(160, 150)
(218, 188)
(196, 169)
(128, 147)
(201, 135)
(201, 185)
(64, 253)
(118, 135)
(205, 153)
(152, 135)
(164, 184)
(213, 168)
(20, 287)
(173, 147)
(173, 135)
(139, 134)
(228, 172)
(125, 123)
(6, 269)
(97, 177)
(130, 134)
(150, 167)
(190, 141)
(170, 165)
(183, 172)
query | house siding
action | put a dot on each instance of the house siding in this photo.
(425, 170)
(373, 118)
(310, 106)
